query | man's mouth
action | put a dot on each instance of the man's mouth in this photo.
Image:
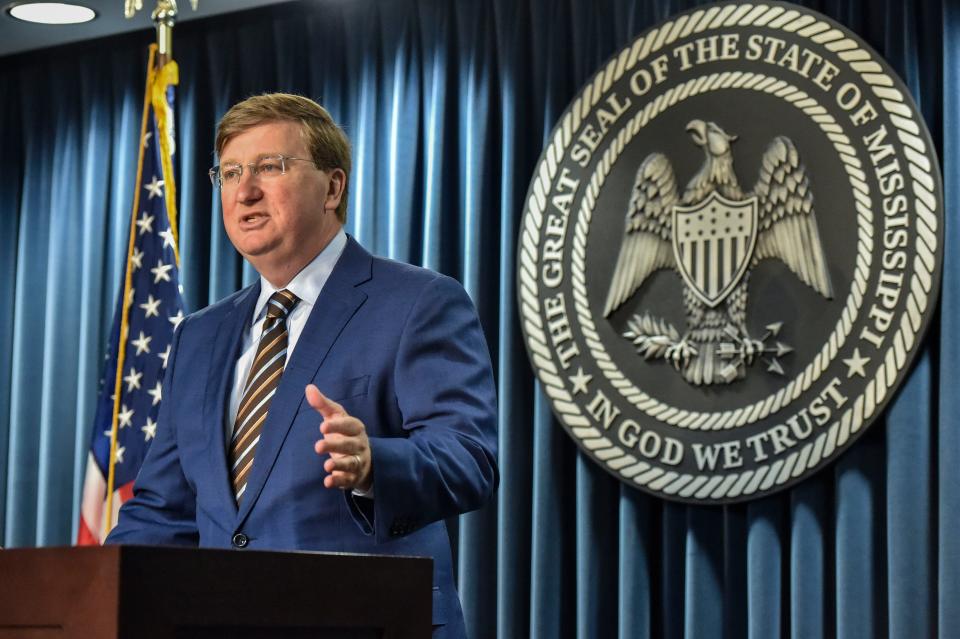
(252, 219)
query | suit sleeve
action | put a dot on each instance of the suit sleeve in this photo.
(446, 463)
(163, 508)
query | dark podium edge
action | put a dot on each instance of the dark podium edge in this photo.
(145, 592)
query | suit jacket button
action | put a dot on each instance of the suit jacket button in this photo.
(240, 540)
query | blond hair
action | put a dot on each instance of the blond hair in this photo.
(328, 144)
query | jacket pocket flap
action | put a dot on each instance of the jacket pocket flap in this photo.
(340, 389)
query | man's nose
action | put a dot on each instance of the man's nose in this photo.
(248, 190)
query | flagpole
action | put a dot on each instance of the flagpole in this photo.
(124, 312)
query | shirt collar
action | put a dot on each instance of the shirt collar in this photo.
(308, 283)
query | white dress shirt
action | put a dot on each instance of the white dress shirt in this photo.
(306, 285)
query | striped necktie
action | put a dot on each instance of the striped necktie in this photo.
(262, 383)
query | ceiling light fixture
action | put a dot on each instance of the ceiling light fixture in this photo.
(51, 12)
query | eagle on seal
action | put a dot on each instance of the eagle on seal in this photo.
(713, 233)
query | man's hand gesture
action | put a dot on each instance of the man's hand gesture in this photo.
(345, 439)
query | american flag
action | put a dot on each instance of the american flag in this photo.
(149, 307)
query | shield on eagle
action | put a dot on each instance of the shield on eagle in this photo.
(713, 242)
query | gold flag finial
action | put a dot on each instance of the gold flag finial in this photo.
(130, 7)
(164, 16)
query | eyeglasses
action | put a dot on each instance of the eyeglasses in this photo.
(266, 168)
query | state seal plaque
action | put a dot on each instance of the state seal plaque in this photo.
(729, 251)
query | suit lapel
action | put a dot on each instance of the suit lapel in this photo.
(219, 381)
(335, 306)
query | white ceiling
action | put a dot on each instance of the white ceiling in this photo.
(17, 36)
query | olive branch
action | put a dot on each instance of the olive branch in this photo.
(652, 337)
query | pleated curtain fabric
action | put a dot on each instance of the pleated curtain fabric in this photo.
(259, 389)
(448, 105)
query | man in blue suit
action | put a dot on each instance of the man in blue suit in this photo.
(343, 402)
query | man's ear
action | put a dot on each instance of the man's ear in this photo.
(336, 183)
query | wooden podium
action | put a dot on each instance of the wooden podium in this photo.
(132, 592)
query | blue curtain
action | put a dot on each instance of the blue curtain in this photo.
(448, 105)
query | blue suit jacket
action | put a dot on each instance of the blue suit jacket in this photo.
(402, 350)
